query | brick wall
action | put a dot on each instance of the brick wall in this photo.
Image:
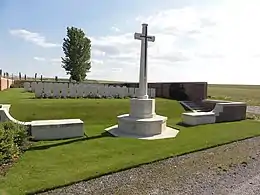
(5, 83)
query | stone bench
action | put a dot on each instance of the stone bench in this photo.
(198, 118)
(57, 129)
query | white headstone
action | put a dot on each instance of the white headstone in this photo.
(107, 92)
(85, 90)
(64, 90)
(56, 90)
(48, 87)
(153, 92)
(131, 92)
(73, 90)
(80, 90)
(120, 92)
(149, 92)
(101, 91)
(125, 91)
(39, 90)
(33, 86)
(93, 89)
(27, 86)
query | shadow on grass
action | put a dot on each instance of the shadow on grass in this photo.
(141, 164)
(69, 141)
(217, 122)
(183, 124)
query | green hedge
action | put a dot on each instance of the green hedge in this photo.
(14, 140)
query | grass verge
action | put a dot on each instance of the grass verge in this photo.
(56, 163)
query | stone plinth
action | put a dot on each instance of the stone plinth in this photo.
(142, 126)
(142, 122)
(142, 108)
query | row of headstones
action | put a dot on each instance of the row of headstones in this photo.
(81, 90)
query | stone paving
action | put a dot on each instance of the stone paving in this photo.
(253, 109)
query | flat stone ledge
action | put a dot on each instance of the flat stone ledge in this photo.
(167, 133)
(198, 118)
(199, 114)
(156, 118)
(56, 122)
(57, 129)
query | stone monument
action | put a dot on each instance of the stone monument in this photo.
(142, 122)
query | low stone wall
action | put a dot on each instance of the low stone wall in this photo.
(230, 111)
(193, 91)
(5, 83)
(210, 104)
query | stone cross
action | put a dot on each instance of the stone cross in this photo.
(143, 60)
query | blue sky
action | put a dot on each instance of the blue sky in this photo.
(214, 41)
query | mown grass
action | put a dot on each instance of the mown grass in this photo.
(245, 93)
(55, 163)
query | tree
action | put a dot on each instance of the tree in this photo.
(77, 50)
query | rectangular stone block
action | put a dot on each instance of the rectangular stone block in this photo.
(198, 118)
(57, 129)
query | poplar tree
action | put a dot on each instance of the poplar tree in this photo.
(77, 50)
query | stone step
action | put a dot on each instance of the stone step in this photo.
(193, 106)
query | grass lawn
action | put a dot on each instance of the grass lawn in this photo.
(245, 93)
(54, 163)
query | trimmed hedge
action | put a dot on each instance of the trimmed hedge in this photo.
(14, 140)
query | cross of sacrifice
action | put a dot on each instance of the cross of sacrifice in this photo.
(143, 60)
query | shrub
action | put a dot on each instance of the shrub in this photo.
(14, 140)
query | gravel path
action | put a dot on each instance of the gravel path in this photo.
(230, 169)
(253, 109)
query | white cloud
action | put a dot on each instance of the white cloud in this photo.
(96, 62)
(116, 69)
(97, 53)
(55, 60)
(33, 37)
(115, 29)
(39, 59)
(192, 44)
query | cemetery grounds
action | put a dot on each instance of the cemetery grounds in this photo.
(51, 164)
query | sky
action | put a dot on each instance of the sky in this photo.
(216, 41)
